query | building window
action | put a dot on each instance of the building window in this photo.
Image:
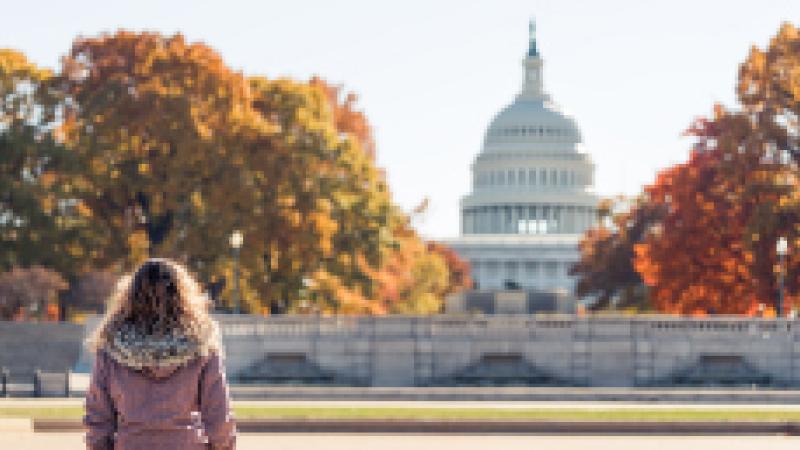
(532, 226)
(572, 178)
(543, 177)
(563, 177)
(532, 177)
(511, 178)
(553, 177)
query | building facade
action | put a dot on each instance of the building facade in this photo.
(532, 194)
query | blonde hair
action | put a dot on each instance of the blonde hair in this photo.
(178, 304)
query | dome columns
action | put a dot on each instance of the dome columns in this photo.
(527, 219)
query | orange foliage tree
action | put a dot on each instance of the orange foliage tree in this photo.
(605, 270)
(347, 118)
(178, 150)
(709, 251)
(30, 291)
(711, 247)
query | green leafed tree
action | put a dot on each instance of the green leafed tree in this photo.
(36, 225)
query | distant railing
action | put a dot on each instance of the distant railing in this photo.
(483, 325)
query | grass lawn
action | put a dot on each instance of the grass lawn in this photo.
(572, 414)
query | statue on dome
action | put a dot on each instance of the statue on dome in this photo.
(532, 51)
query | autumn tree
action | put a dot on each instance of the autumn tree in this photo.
(769, 91)
(605, 270)
(355, 246)
(91, 290)
(34, 224)
(727, 206)
(346, 116)
(459, 270)
(30, 291)
(180, 151)
(710, 247)
(151, 120)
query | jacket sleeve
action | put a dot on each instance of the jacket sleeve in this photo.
(215, 406)
(100, 419)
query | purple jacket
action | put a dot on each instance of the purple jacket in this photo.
(184, 407)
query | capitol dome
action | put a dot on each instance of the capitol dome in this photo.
(536, 120)
(531, 196)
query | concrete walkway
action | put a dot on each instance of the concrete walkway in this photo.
(74, 441)
(76, 402)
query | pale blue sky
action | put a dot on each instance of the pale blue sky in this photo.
(431, 74)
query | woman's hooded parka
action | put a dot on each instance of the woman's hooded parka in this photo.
(158, 387)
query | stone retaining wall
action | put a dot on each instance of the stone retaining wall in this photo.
(567, 350)
(49, 346)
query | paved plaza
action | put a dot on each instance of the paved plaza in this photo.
(73, 441)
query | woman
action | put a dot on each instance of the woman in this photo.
(158, 380)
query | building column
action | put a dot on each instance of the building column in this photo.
(530, 274)
(588, 217)
(473, 221)
(493, 273)
(530, 216)
(540, 274)
(514, 220)
(559, 217)
(476, 272)
(569, 219)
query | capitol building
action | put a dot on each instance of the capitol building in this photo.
(532, 194)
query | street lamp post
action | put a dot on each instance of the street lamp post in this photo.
(236, 241)
(781, 248)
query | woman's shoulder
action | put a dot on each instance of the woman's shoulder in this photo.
(103, 363)
(213, 357)
(213, 362)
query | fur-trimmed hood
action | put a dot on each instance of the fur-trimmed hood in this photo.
(160, 354)
(157, 319)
